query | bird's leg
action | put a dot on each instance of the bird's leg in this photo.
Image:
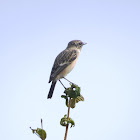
(62, 84)
(69, 81)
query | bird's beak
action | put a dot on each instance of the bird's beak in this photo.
(84, 43)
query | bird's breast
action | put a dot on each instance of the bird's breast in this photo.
(68, 69)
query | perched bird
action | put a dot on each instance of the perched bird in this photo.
(64, 63)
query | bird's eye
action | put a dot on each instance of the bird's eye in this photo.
(80, 43)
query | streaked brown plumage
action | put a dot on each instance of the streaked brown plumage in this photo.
(64, 63)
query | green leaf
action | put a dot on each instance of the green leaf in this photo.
(73, 91)
(73, 102)
(65, 121)
(41, 133)
(64, 96)
(72, 122)
(79, 98)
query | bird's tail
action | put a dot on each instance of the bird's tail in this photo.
(51, 89)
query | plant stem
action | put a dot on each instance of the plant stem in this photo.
(67, 118)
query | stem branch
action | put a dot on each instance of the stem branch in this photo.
(68, 119)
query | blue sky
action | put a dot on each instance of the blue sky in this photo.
(33, 33)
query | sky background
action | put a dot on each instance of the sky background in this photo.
(34, 32)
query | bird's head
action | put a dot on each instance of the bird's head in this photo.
(76, 44)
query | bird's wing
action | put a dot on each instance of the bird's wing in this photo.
(64, 59)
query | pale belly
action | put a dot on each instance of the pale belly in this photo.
(67, 69)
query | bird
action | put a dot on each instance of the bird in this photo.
(64, 63)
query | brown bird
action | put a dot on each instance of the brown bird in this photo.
(64, 63)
